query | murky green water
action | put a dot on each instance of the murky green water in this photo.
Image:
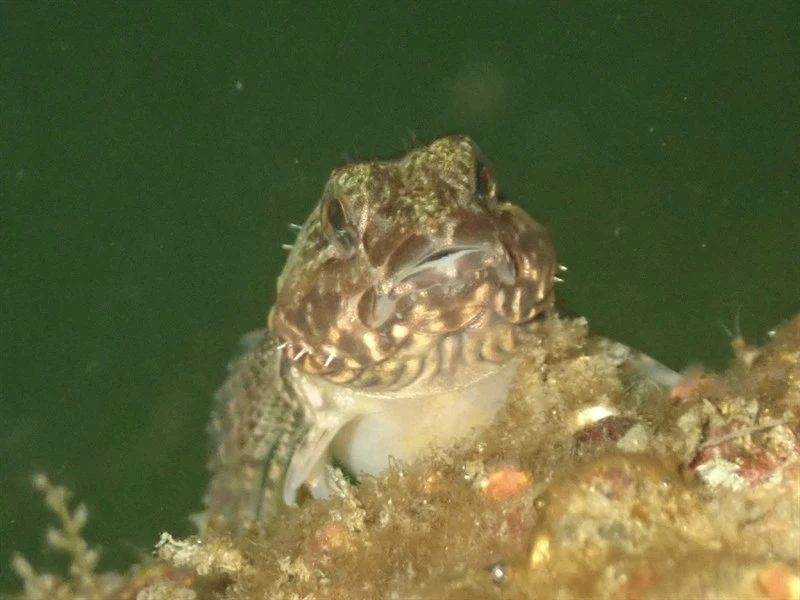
(152, 156)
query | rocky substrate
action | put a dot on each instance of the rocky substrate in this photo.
(590, 484)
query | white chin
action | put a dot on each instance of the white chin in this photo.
(411, 426)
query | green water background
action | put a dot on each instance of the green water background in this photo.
(153, 153)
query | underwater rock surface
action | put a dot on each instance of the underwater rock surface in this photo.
(588, 485)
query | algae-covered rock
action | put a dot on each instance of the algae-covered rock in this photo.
(586, 486)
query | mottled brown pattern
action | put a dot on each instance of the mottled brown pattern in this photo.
(356, 301)
(409, 282)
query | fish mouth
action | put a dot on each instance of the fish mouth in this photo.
(446, 279)
(381, 320)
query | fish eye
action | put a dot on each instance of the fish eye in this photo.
(337, 226)
(485, 185)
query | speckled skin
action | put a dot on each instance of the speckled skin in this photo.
(353, 294)
(409, 281)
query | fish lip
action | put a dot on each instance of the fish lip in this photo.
(450, 266)
(452, 273)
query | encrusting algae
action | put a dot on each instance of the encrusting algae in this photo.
(585, 486)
